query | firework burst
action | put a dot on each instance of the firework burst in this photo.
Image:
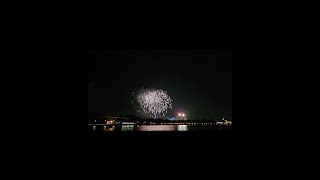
(154, 102)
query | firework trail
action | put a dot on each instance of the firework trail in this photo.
(154, 102)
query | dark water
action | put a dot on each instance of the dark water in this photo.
(159, 128)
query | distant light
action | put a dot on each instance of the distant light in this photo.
(182, 114)
(179, 114)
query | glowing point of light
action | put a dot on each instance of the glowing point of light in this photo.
(179, 114)
(182, 114)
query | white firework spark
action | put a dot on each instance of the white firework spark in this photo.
(154, 102)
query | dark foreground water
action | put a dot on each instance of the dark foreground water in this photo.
(158, 136)
(160, 128)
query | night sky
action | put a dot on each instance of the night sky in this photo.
(198, 81)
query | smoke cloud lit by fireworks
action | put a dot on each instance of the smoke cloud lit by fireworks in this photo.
(154, 102)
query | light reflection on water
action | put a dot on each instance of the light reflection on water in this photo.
(158, 128)
(127, 128)
(182, 128)
(108, 128)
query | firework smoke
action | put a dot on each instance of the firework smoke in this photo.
(154, 102)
